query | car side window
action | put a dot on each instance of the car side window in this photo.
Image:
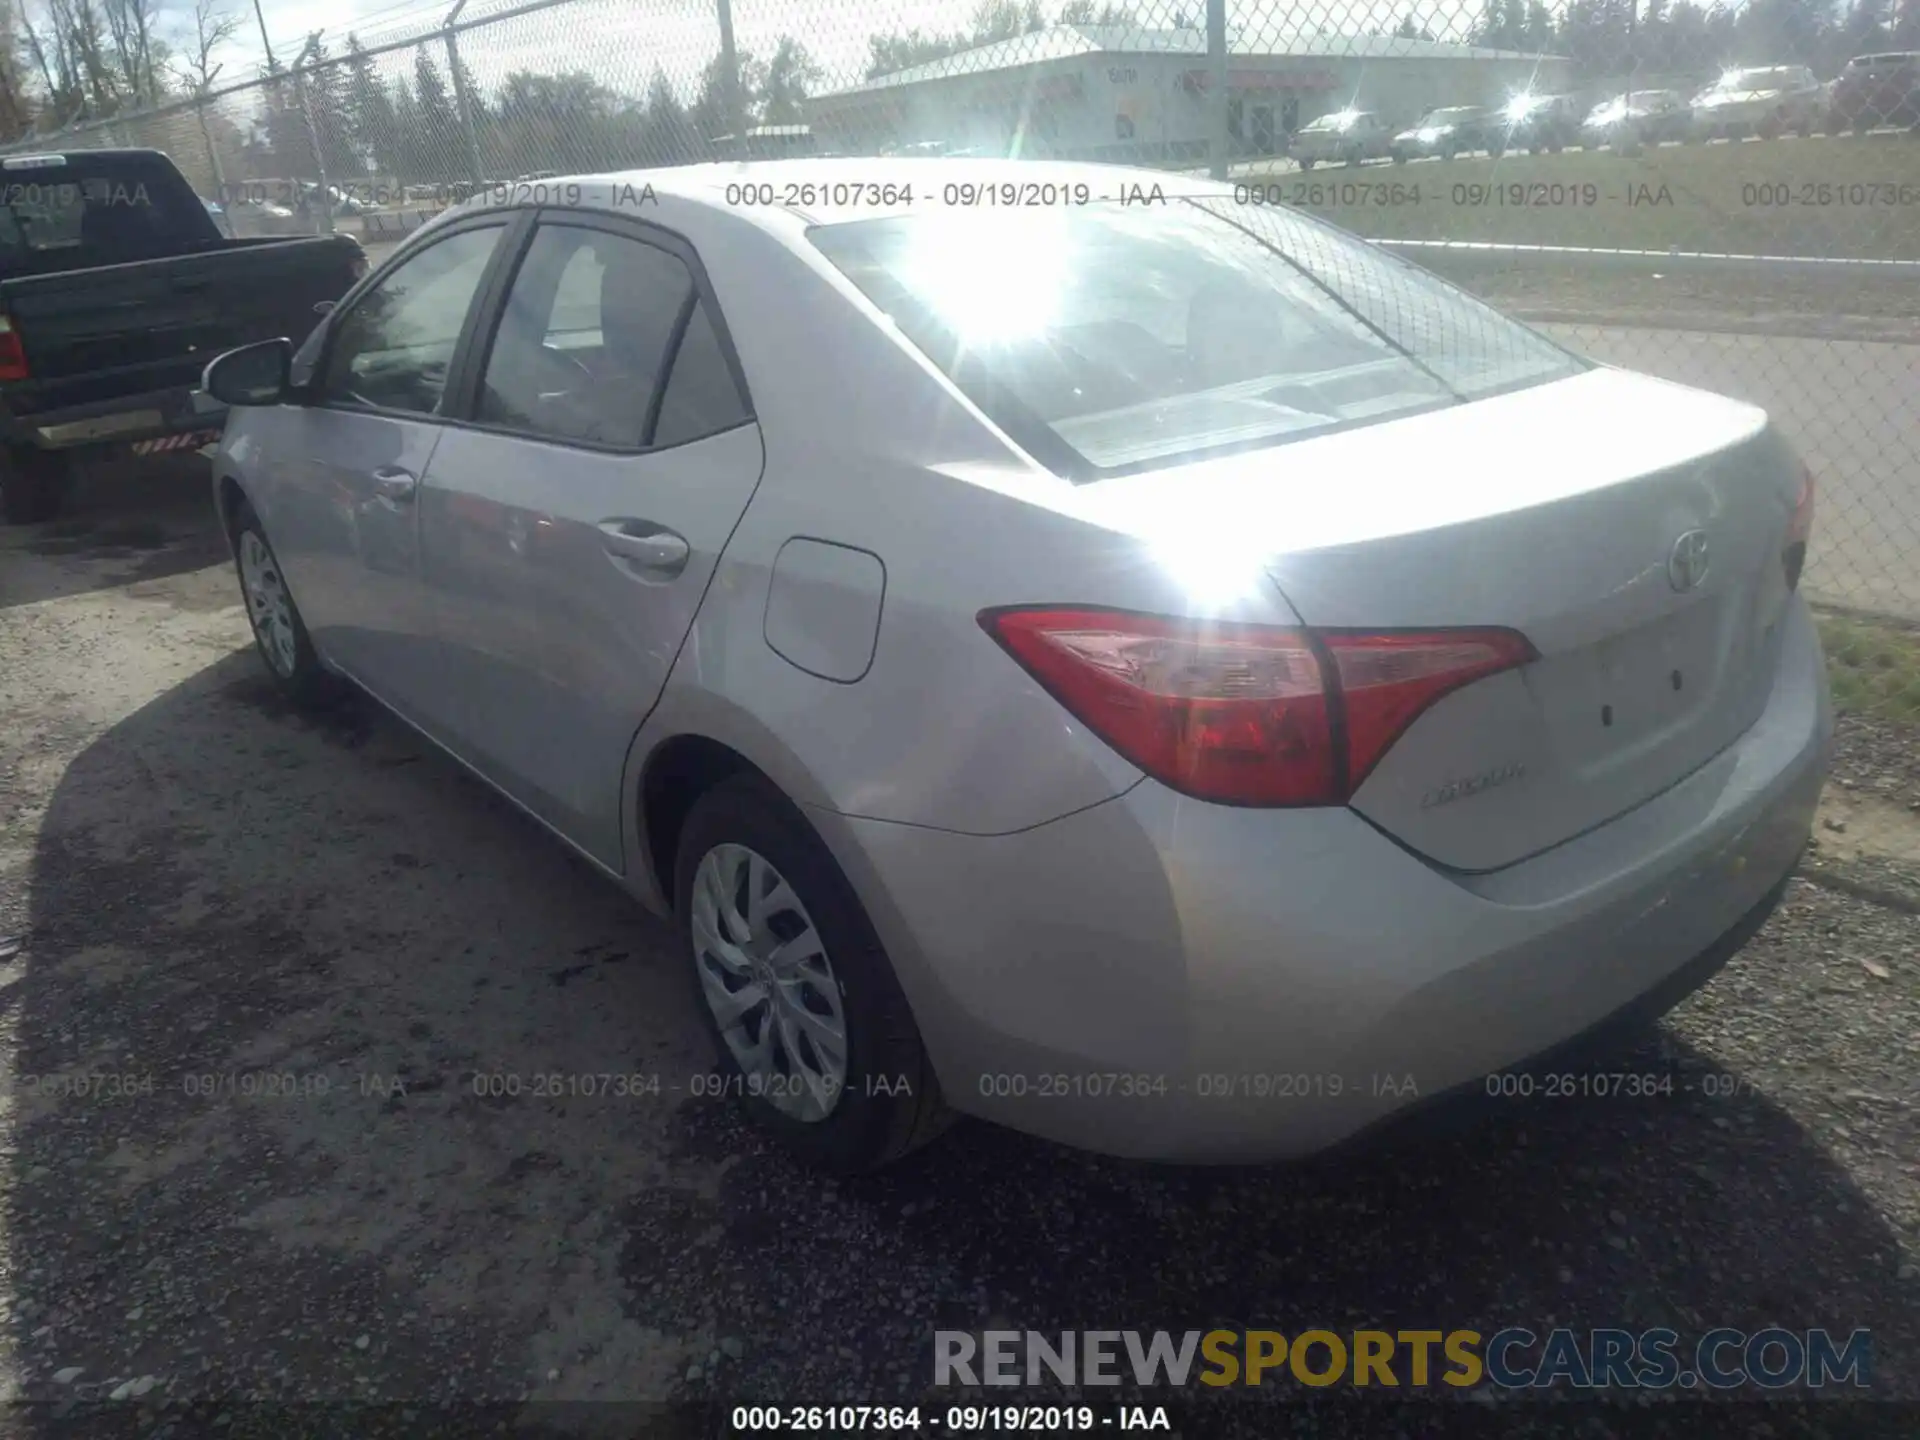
(593, 324)
(394, 349)
(701, 397)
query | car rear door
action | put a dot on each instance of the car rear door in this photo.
(571, 525)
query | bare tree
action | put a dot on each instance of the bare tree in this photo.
(77, 47)
(197, 71)
(137, 55)
(16, 108)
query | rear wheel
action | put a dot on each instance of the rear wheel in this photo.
(1306, 164)
(33, 485)
(278, 631)
(810, 1027)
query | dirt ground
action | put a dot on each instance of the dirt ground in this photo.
(285, 949)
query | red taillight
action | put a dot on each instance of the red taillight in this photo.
(13, 357)
(1799, 530)
(1246, 714)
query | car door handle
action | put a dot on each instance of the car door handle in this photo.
(392, 483)
(645, 544)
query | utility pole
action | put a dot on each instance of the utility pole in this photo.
(266, 45)
(1217, 54)
(463, 101)
(730, 82)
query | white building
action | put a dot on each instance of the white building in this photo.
(1118, 93)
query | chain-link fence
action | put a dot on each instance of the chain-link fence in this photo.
(1590, 166)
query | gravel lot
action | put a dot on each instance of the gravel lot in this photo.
(203, 885)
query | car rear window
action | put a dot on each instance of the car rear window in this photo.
(84, 211)
(1115, 338)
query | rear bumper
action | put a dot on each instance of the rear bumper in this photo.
(1166, 979)
(156, 415)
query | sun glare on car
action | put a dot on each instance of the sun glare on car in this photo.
(992, 279)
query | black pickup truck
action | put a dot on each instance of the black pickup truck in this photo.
(116, 289)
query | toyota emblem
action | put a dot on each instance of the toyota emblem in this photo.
(1687, 565)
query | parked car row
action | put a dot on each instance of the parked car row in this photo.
(1764, 100)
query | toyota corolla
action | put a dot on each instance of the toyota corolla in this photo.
(1157, 673)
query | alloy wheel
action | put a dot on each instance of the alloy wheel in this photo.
(268, 605)
(767, 980)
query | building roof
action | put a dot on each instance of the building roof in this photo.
(1066, 42)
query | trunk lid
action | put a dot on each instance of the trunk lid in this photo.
(1558, 511)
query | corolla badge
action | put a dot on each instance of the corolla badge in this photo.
(1687, 563)
(1471, 785)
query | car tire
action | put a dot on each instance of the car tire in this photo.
(1306, 164)
(33, 485)
(1804, 129)
(279, 632)
(888, 1104)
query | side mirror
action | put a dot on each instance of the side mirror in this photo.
(252, 375)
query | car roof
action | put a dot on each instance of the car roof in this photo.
(828, 189)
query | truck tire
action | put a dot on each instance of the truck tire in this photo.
(33, 485)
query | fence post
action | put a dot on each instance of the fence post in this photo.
(730, 81)
(464, 101)
(1222, 139)
(213, 152)
(324, 198)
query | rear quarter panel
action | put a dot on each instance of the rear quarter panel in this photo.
(868, 447)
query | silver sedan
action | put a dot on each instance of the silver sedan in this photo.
(1156, 673)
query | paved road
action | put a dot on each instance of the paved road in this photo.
(1852, 407)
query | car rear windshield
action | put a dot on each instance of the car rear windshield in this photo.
(1772, 75)
(1113, 338)
(84, 211)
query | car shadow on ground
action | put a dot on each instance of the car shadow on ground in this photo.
(150, 519)
(231, 903)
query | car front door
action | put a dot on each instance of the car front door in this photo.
(570, 527)
(362, 444)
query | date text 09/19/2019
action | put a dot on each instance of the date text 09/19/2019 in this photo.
(954, 1420)
(1461, 194)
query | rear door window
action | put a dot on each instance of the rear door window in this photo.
(606, 340)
